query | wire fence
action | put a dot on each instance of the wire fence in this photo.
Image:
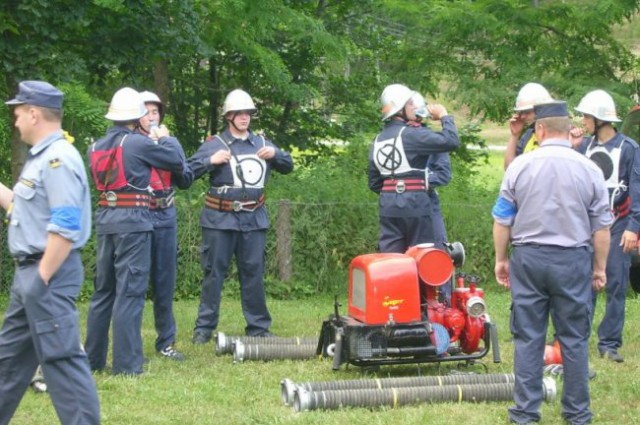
(309, 245)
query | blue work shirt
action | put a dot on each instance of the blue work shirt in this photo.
(51, 196)
(553, 196)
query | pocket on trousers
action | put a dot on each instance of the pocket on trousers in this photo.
(137, 281)
(513, 327)
(59, 337)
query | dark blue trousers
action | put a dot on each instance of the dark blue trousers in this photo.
(164, 259)
(122, 279)
(546, 279)
(397, 234)
(218, 248)
(42, 327)
(618, 264)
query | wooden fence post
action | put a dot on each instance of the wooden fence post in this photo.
(283, 240)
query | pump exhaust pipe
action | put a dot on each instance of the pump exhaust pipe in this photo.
(288, 388)
(225, 343)
(244, 351)
(395, 397)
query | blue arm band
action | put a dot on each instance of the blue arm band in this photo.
(66, 217)
(504, 209)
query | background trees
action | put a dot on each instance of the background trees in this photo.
(315, 67)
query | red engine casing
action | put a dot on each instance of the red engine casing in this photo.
(384, 288)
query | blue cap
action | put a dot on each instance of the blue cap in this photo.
(38, 93)
(556, 108)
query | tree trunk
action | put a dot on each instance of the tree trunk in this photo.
(214, 95)
(162, 85)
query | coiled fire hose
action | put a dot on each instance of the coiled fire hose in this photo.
(288, 388)
(244, 352)
(225, 343)
(395, 397)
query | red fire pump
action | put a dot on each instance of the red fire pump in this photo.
(398, 314)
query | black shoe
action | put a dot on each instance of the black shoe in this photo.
(266, 334)
(612, 355)
(171, 353)
(200, 337)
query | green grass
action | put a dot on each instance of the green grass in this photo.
(210, 389)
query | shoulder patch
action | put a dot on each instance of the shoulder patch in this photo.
(55, 163)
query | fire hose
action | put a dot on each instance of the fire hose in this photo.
(395, 397)
(289, 388)
(225, 343)
(244, 352)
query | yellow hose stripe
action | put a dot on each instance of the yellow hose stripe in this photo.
(395, 397)
(459, 393)
(379, 383)
(440, 380)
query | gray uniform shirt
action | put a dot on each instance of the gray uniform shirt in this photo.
(51, 195)
(553, 196)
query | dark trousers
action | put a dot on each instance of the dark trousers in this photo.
(164, 251)
(122, 279)
(218, 248)
(551, 280)
(618, 264)
(42, 327)
(397, 234)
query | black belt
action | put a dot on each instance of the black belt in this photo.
(26, 260)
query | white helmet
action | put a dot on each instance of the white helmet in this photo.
(393, 99)
(126, 105)
(238, 100)
(151, 97)
(600, 105)
(421, 105)
(530, 95)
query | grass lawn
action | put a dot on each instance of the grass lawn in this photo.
(210, 389)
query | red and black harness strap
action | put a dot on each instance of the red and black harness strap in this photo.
(624, 209)
(113, 199)
(228, 205)
(404, 185)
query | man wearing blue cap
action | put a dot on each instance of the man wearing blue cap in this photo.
(553, 207)
(49, 216)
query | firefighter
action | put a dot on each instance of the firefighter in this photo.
(121, 164)
(523, 137)
(164, 240)
(397, 169)
(49, 221)
(439, 173)
(234, 220)
(553, 266)
(619, 158)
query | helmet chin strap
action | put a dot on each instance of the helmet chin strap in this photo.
(232, 122)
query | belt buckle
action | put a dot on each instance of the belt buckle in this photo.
(401, 186)
(111, 198)
(237, 206)
(161, 203)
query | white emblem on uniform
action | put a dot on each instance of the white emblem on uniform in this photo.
(249, 169)
(389, 156)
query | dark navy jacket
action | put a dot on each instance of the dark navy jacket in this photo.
(140, 154)
(224, 182)
(418, 144)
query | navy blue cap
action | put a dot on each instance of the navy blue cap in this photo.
(556, 108)
(38, 93)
